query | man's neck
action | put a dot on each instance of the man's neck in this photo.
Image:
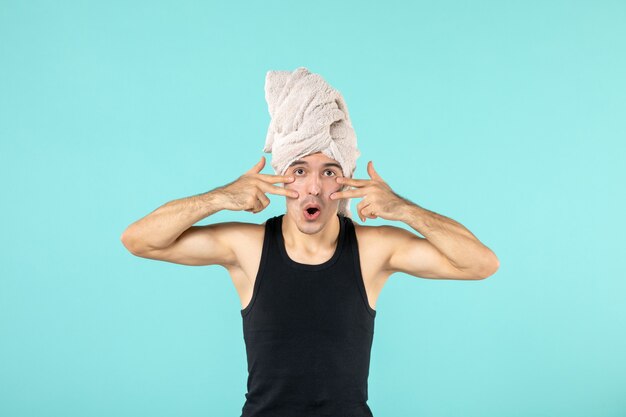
(324, 239)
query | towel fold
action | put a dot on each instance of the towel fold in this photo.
(308, 116)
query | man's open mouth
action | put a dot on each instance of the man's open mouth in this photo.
(312, 211)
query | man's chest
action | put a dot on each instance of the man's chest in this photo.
(371, 260)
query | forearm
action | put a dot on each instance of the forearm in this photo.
(163, 226)
(452, 239)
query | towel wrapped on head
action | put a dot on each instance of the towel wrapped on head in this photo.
(308, 116)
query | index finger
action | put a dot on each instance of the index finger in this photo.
(276, 190)
(355, 192)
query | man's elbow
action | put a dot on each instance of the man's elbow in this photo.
(129, 243)
(491, 267)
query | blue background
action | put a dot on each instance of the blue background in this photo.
(508, 117)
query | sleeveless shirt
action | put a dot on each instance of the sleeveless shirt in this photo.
(308, 331)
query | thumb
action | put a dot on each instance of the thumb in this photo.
(372, 172)
(257, 167)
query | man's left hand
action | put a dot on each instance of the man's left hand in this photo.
(378, 198)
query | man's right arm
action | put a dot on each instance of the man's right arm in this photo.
(168, 234)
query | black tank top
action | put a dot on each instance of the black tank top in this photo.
(308, 331)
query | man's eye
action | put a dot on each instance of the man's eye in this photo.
(297, 169)
(332, 172)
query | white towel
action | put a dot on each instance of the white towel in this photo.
(308, 116)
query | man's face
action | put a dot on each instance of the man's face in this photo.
(314, 180)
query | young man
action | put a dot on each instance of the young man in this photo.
(308, 340)
(308, 280)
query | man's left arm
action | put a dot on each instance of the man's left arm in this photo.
(454, 241)
(450, 250)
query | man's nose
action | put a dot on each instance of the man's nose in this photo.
(314, 185)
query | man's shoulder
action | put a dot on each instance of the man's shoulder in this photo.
(380, 240)
(376, 245)
(383, 240)
(244, 239)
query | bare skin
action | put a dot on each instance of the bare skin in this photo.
(168, 234)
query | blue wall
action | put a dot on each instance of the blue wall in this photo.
(508, 117)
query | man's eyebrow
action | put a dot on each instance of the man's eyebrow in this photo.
(327, 164)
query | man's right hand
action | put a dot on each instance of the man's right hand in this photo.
(248, 191)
